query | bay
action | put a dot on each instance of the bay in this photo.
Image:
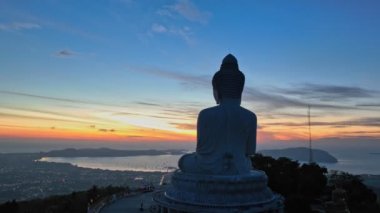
(365, 164)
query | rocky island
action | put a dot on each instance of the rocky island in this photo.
(301, 154)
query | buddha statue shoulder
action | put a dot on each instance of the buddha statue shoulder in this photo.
(226, 133)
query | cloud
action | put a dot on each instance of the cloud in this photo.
(273, 100)
(31, 117)
(362, 132)
(147, 103)
(187, 10)
(189, 112)
(292, 115)
(183, 9)
(184, 126)
(106, 130)
(46, 112)
(158, 28)
(147, 115)
(15, 26)
(65, 53)
(277, 101)
(21, 126)
(368, 105)
(202, 81)
(323, 92)
(184, 33)
(269, 100)
(57, 99)
(367, 122)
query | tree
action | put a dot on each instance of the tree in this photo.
(10, 207)
(311, 180)
(299, 184)
(359, 197)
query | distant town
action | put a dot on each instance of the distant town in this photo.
(22, 177)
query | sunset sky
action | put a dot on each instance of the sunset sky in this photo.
(129, 70)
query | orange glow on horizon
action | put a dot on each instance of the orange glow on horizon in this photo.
(142, 136)
(108, 126)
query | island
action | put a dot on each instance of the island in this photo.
(301, 154)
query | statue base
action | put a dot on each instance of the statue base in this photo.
(218, 193)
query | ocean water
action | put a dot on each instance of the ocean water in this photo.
(356, 156)
(362, 164)
(142, 163)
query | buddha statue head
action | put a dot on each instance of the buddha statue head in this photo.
(228, 82)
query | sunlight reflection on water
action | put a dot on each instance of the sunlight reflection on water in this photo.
(143, 163)
(366, 164)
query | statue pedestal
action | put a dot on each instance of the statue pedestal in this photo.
(218, 193)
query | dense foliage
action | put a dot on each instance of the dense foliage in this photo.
(299, 184)
(74, 202)
(359, 197)
(305, 184)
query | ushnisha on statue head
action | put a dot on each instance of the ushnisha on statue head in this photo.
(228, 82)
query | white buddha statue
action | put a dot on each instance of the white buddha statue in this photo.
(219, 177)
(226, 133)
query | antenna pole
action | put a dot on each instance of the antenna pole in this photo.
(310, 148)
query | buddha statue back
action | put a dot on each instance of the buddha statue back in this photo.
(226, 133)
(219, 177)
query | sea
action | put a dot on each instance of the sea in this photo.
(354, 156)
(360, 164)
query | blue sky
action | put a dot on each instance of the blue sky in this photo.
(149, 56)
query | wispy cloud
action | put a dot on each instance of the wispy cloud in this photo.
(367, 122)
(147, 103)
(16, 26)
(106, 130)
(48, 115)
(158, 115)
(32, 117)
(360, 133)
(184, 126)
(39, 111)
(158, 28)
(323, 92)
(203, 81)
(187, 10)
(269, 100)
(368, 105)
(58, 98)
(170, 14)
(185, 33)
(190, 112)
(277, 101)
(65, 53)
(21, 126)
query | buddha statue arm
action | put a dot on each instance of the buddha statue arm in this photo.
(251, 143)
(200, 132)
(206, 143)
